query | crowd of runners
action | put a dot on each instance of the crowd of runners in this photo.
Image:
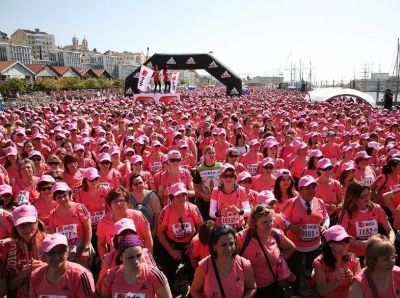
(110, 196)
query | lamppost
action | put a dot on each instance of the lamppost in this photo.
(210, 52)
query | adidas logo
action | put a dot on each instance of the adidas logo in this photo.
(149, 65)
(129, 91)
(171, 61)
(136, 75)
(64, 288)
(225, 75)
(213, 65)
(143, 287)
(234, 91)
(190, 61)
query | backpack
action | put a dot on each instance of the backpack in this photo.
(142, 207)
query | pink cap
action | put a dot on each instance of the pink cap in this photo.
(225, 167)
(46, 178)
(237, 126)
(267, 161)
(182, 144)
(315, 153)
(124, 224)
(177, 189)
(243, 175)
(37, 136)
(374, 145)
(361, 154)
(5, 188)
(60, 186)
(164, 158)
(90, 173)
(265, 197)
(393, 153)
(104, 157)
(23, 214)
(174, 154)
(391, 135)
(78, 147)
(127, 150)
(11, 150)
(364, 136)
(346, 148)
(282, 172)
(100, 140)
(254, 142)
(177, 133)
(222, 131)
(355, 145)
(84, 132)
(270, 143)
(336, 233)
(347, 166)
(35, 153)
(85, 141)
(306, 181)
(52, 241)
(135, 159)
(324, 163)
(301, 145)
(113, 150)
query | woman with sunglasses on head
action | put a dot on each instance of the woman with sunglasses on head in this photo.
(40, 166)
(244, 179)
(60, 277)
(364, 172)
(108, 177)
(72, 220)
(380, 276)
(45, 203)
(328, 189)
(117, 201)
(174, 175)
(262, 236)
(25, 252)
(307, 220)
(178, 223)
(360, 217)
(224, 270)
(24, 189)
(232, 157)
(335, 267)
(132, 276)
(265, 180)
(229, 204)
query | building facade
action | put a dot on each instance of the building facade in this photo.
(40, 42)
(65, 58)
(10, 52)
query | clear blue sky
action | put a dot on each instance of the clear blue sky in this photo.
(253, 36)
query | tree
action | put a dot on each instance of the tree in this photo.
(14, 84)
(91, 83)
(118, 83)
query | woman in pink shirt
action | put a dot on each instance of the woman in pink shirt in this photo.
(283, 189)
(244, 179)
(133, 277)
(72, 174)
(24, 189)
(54, 163)
(335, 267)
(198, 248)
(108, 177)
(72, 220)
(252, 159)
(45, 203)
(300, 162)
(265, 180)
(364, 172)
(262, 232)
(11, 164)
(221, 145)
(60, 277)
(179, 221)
(188, 160)
(271, 151)
(384, 275)
(154, 163)
(346, 176)
(39, 163)
(234, 272)
(232, 157)
(360, 218)
(311, 169)
(137, 168)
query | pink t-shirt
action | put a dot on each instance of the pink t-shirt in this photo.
(362, 225)
(233, 284)
(112, 180)
(96, 205)
(251, 163)
(5, 233)
(392, 292)
(252, 197)
(332, 152)
(44, 210)
(74, 182)
(343, 289)
(149, 280)
(197, 249)
(105, 227)
(389, 185)
(367, 176)
(220, 152)
(253, 253)
(153, 164)
(180, 229)
(76, 282)
(71, 224)
(23, 194)
(167, 179)
(296, 166)
(328, 194)
(259, 184)
(296, 213)
(236, 198)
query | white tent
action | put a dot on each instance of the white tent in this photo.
(328, 94)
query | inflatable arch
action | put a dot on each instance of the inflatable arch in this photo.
(189, 61)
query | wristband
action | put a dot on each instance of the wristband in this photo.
(217, 214)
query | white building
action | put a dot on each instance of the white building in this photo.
(65, 58)
(101, 61)
(190, 76)
(10, 52)
(15, 69)
(40, 42)
(125, 70)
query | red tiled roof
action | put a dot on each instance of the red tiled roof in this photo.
(35, 67)
(61, 69)
(82, 71)
(98, 72)
(34, 32)
(6, 64)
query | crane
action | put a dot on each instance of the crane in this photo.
(284, 67)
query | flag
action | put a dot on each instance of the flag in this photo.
(144, 77)
(174, 82)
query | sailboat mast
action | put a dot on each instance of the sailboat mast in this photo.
(397, 68)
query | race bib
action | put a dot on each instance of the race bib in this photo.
(23, 197)
(231, 219)
(155, 166)
(186, 167)
(96, 215)
(182, 230)
(70, 231)
(51, 296)
(252, 168)
(310, 232)
(129, 295)
(366, 229)
(367, 180)
(106, 185)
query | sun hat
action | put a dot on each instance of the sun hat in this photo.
(45, 178)
(243, 175)
(265, 197)
(124, 224)
(306, 181)
(336, 233)
(361, 154)
(324, 163)
(267, 161)
(177, 189)
(90, 173)
(104, 157)
(225, 167)
(60, 186)
(347, 166)
(23, 214)
(53, 240)
(5, 188)
(135, 159)
(174, 154)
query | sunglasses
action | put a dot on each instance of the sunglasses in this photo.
(36, 139)
(59, 139)
(36, 159)
(46, 188)
(95, 179)
(138, 183)
(345, 240)
(327, 169)
(105, 162)
(268, 167)
(173, 160)
(228, 176)
(138, 164)
(262, 207)
(234, 156)
(246, 181)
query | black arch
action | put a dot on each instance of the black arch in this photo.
(189, 61)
